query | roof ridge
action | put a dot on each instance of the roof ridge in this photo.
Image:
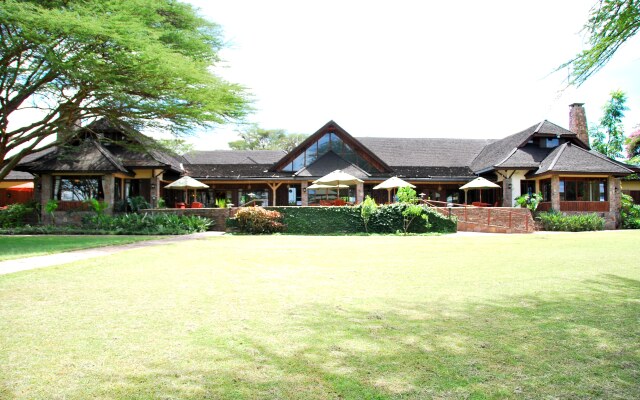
(107, 154)
(557, 157)
(603, 157)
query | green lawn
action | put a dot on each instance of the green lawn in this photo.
(288, 317)
(12, 247)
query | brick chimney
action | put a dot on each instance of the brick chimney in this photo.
(578, 122)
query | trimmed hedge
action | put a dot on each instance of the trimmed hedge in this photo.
(347, 220)
(555, 221)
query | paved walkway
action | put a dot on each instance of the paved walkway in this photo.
(23, 264)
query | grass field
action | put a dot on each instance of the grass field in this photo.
(287, 317)
(12, 247)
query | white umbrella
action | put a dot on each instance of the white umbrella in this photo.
(392, 183)
(338, 178)
(478, 183)
(186, 183)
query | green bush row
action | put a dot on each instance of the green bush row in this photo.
(555, 221)
(629, 213)
(15, 215)
(146, 224)
(348, 220)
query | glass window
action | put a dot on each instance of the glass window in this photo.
(324, 145)
(545, 186)
(311, 155)
(78, 188)
(583, 190)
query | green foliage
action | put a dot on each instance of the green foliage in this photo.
(530, 201)
(97, 207)
(255, 138)
(367, 209)
(175, 146)
(221, 202)
(257, 220)
(50, 208)
(633, 147)
(407, 195)
(629, 213)
(145, 224)
(14, 215)
(410, 213)
(388, 219)
(555, 221)
(138, 203)
(162, 203)
(144, 61)
(608, 137)
(611, 23)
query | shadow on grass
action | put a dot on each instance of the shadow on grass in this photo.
(584, 344)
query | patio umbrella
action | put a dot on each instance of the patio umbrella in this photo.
(478, 183)
(338, 178)
(186, 183)
(392, 183)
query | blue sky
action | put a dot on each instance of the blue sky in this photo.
(412, 68)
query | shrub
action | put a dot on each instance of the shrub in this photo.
(50, 208)
(555, 221)
(530, 201)
(256, 220)
(138, 203)
(367, 209)
(629, 213)
(146, 224)
(14, 215)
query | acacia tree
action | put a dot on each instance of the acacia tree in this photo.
(255, 138)
(611, 23)
(608, 137)
(67, 62)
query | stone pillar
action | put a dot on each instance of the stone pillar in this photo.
(555, 193)
(359, 192)
(108, 186)
(304, 196)
(46, 194)
(154, 187)
(615, 199)
(507, 192)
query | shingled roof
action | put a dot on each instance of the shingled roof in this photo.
(264, 157)
(502, 151)
(571, 158)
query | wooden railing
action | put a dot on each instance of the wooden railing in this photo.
(577, 206)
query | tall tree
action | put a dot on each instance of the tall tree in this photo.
(66, 62)
(255, 138)
(611, 23)
(608, 137)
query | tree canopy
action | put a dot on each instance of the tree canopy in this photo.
(633, 147)
(255, 138)
(146, 62)
(611, 23)
(608, 137)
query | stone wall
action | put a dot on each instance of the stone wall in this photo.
(492, 219)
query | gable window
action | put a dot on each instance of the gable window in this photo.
(327, 142)
(583, 189)
(549, 143)
(78, 188)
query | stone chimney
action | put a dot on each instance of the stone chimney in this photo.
(578, 122)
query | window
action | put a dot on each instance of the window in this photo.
(545, 187)
(327, 142)
(583, 189)
(78, 188)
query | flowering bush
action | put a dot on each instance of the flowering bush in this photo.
(256, 220)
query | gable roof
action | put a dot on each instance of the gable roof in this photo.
(501, 151)
(89, 156)
(571, 158)
(333, 127)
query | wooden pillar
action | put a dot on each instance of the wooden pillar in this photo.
(154, 187)
(304, 196)
(555, 193)
(274, 187)
(359, 192)
(46, 194)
